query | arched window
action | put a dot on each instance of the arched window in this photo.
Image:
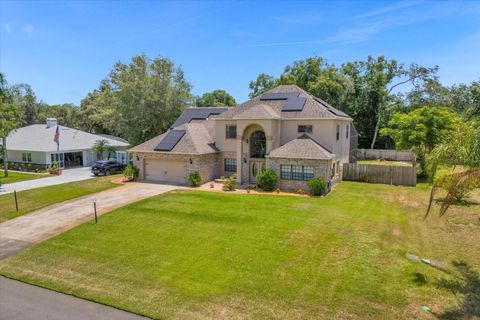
(258, 145)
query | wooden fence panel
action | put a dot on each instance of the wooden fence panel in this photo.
(396, 175)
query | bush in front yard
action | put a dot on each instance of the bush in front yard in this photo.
(317, 186)
(267, 179)
(130, 172)
(194, 179)
(231, 183)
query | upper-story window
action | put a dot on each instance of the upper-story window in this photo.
(347, 129)
(305, 128)
(231, 131)
(338, 132)
(258, 145)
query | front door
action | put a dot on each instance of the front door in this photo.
(255, 166)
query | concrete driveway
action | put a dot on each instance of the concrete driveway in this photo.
(20, 301)
(69, 175)
(26, 230)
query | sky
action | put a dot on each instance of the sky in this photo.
(64, 49)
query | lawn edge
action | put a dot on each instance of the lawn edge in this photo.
(74, 295)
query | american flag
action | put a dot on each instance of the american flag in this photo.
(56, 138)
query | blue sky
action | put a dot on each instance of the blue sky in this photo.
(64, 49)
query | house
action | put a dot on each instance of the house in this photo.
(287, 129)
(34, 146)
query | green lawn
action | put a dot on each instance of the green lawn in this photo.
(386, 163)
(202, 255)
(30, 200)
(19, 176)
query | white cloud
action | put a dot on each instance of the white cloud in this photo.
(299, 19)
(7, 27)
(28, 29)
(387, 9)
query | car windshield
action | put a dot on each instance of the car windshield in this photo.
(101, 163)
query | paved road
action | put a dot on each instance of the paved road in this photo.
(69, 175)
(24, 231)
(20, 301)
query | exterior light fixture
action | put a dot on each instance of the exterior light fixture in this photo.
(191, 161)
(138, 159)
(244, 160)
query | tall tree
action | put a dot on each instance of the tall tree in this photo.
(9, 119)
(24, 97)
(263, 83)
(375, 81)
(146, 96)
(216, 98)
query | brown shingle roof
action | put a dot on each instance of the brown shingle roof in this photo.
(303, 147)
(313, 108)
(197, 140)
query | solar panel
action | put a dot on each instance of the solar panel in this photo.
(197, 114)
(279, 96)
(294, 104)
(170, 140)
(331, 109)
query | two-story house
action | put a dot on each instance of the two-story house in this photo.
(287, 129)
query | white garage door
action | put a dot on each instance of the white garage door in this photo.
(166, 171)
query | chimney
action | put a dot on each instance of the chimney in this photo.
(51, 122)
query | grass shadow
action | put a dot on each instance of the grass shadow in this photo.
(467, 285)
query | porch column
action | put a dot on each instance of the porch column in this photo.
(239, 159)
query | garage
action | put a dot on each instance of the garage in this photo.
(166, 171)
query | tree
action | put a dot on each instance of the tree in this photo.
(374, 81)
(24, 97)
(8, 118)
(421, 130)
(66, 114)
(216, 98)
(461, 147)
(96, 113)
(145, 97)
(100, 147)
(263, 83)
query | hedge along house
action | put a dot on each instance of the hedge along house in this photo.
(34, 146)
(286, 129)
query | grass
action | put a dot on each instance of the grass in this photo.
(19, 176)
(34, 199)
(385, 163)
(202, 255)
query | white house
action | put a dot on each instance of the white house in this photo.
(34, 145)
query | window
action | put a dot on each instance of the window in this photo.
(258, 145)
(230, 165)
(307, 173)
(122, 157)
(26, 157)
(333, 170)
(347, 128)
(305, 128)
(231, 131)
(338, 132)
(288, 172)
(297, 173)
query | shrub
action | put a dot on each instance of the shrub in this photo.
(231, 183)
(301, 191)
(317, 186)
(194, 179)
(447, 181)
(130, 172)
(267, 179)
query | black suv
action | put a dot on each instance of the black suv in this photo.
(107, 167)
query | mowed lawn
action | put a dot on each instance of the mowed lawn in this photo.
(19, 176)
(202, 255)
(34, 199)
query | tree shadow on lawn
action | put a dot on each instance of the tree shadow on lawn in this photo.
(466, 282)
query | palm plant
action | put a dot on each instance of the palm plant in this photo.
(99, 147)
(461, 148)
(110, 150)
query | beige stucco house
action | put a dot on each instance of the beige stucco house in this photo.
(287, 129)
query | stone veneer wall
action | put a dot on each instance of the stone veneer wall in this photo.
(207, 164)
(321, 169)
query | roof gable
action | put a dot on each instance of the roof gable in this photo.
(303, 147)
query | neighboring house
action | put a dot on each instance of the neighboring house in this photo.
(34, 145)
(286, 129)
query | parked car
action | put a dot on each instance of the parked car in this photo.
(107, 167)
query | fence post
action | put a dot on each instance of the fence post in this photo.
(95, 210)
(16, 201)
